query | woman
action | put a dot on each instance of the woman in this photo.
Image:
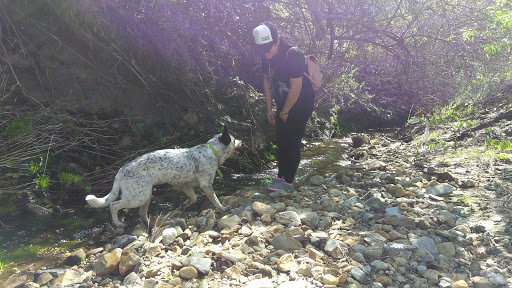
(284, 66)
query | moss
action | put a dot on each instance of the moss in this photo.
(20, 253)
(70, 245)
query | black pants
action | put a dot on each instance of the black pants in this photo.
(289, 137)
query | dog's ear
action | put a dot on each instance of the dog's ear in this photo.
(225, 138)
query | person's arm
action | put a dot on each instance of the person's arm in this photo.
(267, 91)
(293, 95)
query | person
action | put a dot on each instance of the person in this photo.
(284, 80)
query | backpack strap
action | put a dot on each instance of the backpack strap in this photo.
(286, 57)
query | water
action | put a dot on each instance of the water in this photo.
(44, 240)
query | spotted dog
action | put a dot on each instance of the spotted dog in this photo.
(182, 168)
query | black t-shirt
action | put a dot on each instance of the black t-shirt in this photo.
(289, 62)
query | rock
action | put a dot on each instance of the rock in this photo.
(38, 210)
(131, 279)
(316, 180)
(374, 252)
(330, 280)
(54, 273)
(335, 249)
(169, 235)
(286, 263)
(384, 280)
(359, 275)
(460, 284)
(441, 190)
(188, 273)
(447, 249)
(309, 219)
(481, 282)
(375, 205)
(286, 242)
(153, 249)
(288, 218)
(233, 272)
(44, 278)
(18, 280)
(202, 265)
(261, 208)
(128, 261)
(108, 263)
(229, 221)
(395, 190)
(393, 211)
(123, 241)
(373, 165)
(69, 277)
(426, 244)
(379, 265)
(360, 140)
(153, 271)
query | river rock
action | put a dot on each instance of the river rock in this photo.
(128, 261)
(447, 249)
(261, 208)
(316, 180)
(131, 279)
(229, 221)
(286, 242)
(44, 278)
(395, 190)
(233, 272)
(188, 273)
(202, 265)
(169, 235)
(441, 190)
(460, 284)
(123, 241)
(108, 263)
(286, 263)
(69, 277)
(360, 140)
(288, 218)
(426, 244)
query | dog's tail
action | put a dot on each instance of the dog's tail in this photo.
(105, 201)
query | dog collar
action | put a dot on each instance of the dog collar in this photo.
(217, 156)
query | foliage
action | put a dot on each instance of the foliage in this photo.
(67, 179)
(18, 128)
(500, 145)
(34, 167)
(42, 182)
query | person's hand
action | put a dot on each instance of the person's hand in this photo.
(270, 117)
(283, 116)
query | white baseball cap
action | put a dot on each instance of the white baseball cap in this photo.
(263, 37)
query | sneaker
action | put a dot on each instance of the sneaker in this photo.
(280, 185)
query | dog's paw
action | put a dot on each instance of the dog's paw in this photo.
(225, 208)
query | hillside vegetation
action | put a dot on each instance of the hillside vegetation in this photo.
(96, 83)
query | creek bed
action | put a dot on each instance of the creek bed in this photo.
(44, 240)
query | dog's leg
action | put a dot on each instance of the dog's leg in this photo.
(143, 212)
(114, 208)
(189, 191)
(208, 191)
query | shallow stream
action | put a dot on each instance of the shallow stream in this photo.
(44, 240)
